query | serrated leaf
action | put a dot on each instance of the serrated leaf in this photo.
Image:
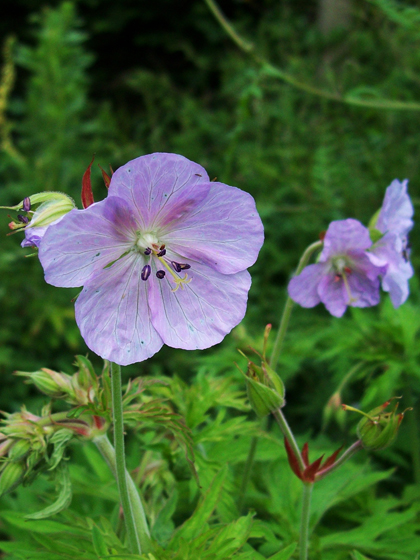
(195, 525)
(99, 542)
(284, 554)
(164, 526)
(64, 496)
(40, 526)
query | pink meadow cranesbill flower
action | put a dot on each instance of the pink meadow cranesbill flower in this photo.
(394, 221)
(162, 260)
(344, 274)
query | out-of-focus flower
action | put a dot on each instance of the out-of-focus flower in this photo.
(344, 274)
(131, 253)
(393, 222)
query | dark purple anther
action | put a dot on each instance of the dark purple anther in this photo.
(145, 273)
(180, 266)
(22, 219)
(148, 251)
(162, 253)
(160, 274)
(26, 204)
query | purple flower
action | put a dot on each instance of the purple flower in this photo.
(394, 221)
(162, 260)
(344, 275)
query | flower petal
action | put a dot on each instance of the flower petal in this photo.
(389, 250)
(397, 210)
(303, 289)
(113, 314)
(201, 313)
(86, 241)
(343, 236)
(224, 231)
(333, 295)
(161, 187)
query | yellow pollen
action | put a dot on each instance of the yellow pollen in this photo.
(178, 281)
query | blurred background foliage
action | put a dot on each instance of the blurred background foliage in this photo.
(124, 79)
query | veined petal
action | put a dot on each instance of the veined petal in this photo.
(397, 210)
(112, 313)
(224, 230)
(199, 314)
(85, 241)
(303, 289)
(343, 236)
(162, 188)
(333, 295)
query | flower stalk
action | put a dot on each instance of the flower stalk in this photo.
(304, 521)
(120, 469)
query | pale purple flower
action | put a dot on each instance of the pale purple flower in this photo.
(343, 275)
(394, 221)
(162, 260)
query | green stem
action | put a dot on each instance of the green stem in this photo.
(108, 453)
(287, 432)
(284, 322)
(304, 521)
(271, 70)
(344, 457)
(120, 470)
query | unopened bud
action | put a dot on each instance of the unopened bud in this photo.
(378, 429)
(11, 477)
(19, 450)
(54, 384)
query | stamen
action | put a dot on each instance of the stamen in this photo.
(161, 253)
(23, 219)
(178, 281)
(26, 204)
(145, 273)
(160, 274)
(180, 266)
(147, 251)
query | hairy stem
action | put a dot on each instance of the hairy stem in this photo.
(304, 521)
(287, 311)
(287, 432)
(120, 470)
(271, 70)
(344, 457)
(108, 453)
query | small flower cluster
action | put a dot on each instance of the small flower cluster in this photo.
(356, 261)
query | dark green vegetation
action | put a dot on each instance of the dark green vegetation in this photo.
(121, 79)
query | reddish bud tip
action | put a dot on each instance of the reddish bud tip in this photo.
(87, 195)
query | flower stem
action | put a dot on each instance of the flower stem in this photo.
(120, 470)
(304, 521)
(284, 322)
(287, 432)
(108, 453)
(344, 457)
(275, 72)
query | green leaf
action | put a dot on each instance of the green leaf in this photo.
(284, 554)
(64, 496)
(99, 542)
(358, 556)
(164, 526)
(197, 523)
(40, 526)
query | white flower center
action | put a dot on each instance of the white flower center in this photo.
(146, 239)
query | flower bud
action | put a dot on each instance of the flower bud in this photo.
(11, 477)
(19, 450)
(55, 385)
(264, 387)
(378, 429)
